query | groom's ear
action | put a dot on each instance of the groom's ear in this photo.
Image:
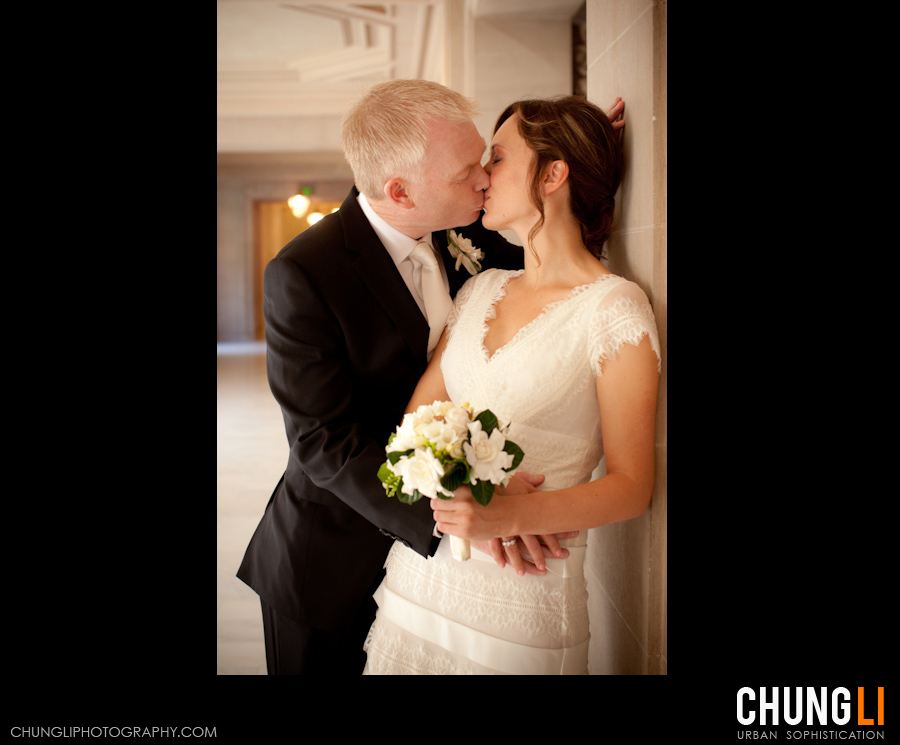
(555, 175)
(396, 191)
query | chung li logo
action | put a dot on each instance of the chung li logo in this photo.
(859, 709)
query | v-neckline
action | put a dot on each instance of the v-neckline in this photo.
(500, 292)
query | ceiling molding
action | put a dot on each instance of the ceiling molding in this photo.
(287, 59)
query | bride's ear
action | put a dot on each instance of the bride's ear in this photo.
(396, 191)
(555, 175)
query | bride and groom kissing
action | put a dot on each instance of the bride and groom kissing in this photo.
(544, 336)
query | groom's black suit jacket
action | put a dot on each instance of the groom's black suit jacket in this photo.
(346, 346)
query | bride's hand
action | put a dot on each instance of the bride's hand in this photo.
(462, 516)
(465, 518)
(616, 114)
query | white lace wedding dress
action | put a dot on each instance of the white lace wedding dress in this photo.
(442, 616)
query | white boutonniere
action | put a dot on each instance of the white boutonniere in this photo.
(464, 252)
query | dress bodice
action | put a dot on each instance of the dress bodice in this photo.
(542, 382)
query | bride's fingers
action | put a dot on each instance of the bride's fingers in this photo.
(616, 110)
(444, 514)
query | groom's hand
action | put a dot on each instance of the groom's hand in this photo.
(532, 479)
(520, 564)
(527, 555)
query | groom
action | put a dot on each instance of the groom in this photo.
(347, 342)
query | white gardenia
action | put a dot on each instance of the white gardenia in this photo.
(445, 438)
(464, 252)
(423, 472)
(486, 456)
(443, 424)
(408, 435)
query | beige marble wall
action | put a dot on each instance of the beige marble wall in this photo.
(516, 58)
(627, 567)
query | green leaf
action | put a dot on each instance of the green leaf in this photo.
(456, 474)
(397, 455)
(385, 474)
(488, 421)
(515, 451)
(407, 499)
(390, 480)
(482, 492)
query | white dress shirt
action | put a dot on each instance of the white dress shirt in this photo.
(400, 246)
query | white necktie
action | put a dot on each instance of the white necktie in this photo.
(433, 292)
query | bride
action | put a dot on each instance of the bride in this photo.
(564, 352)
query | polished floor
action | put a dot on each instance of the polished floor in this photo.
(251, 452)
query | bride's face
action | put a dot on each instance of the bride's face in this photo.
(507, 204)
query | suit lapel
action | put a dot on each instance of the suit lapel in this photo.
(378, 273)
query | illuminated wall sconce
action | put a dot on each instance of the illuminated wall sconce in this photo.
(299, 203)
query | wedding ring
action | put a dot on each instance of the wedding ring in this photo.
(508, 543)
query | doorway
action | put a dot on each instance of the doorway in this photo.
(274, 225)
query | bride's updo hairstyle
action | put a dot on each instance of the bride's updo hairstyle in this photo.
(572, 129)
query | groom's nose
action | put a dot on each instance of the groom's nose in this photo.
(483, 180)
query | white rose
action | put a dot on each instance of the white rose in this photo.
(422, 472)
(458, 418)
(486, 456)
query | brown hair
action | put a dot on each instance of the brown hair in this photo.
(571, 129)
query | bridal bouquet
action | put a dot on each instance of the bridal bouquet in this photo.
(439, 447)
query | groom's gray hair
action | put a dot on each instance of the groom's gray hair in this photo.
(384, 134)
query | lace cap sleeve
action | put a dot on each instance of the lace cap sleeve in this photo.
(623, 316)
